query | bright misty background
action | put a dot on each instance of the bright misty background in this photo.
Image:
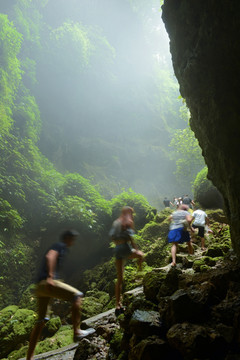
(101, 74)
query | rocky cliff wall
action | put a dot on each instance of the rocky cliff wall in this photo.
(205, 48)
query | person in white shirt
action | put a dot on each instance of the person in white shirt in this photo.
(199, 220)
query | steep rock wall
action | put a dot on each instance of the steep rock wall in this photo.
(204, 43)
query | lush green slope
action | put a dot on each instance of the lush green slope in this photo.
(81, 104)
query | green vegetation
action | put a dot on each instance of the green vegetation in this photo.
(70, 70)
(143, 211)
(187, 152)
(205, 193)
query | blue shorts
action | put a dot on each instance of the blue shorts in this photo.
(178, 235)
(122, 251)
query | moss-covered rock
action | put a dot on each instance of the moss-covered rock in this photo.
(157, 253)
(204, 268)
(205, 193)
(94, 304)
(15, 328)
(156, 247)
(62, 338)
(151, 231)
(115, 343)
(18, 354)
(160, 283)
(133, 277)
(163, 215)
(189, 339)
(152, 283)
(203, 262)
(52, 326)
(217, 215)
(215, 250)
(151, 348)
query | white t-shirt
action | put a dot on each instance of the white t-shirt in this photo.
(199, 217)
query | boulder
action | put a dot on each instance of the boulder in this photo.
(185, 305)
(152, 348)
(152, 282)
(228, 310)
(51, 327)
(160, 282)
(205, 193)
(15, 328)
(145, 323)
(194, 341)
(85, 349)
(170, 283)
(190, 340)
(215, 251)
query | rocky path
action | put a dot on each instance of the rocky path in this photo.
(95, 346)
(104, 323)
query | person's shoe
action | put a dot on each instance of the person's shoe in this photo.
(82, 334)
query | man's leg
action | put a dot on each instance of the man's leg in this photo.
(203, 243)
(65, 292)
(174, 253)
(76, 314)
(201, 234)
(36, 332)
(190, 248)
(139, 255)
(118, 286)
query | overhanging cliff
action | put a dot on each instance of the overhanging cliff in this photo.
(204, 43)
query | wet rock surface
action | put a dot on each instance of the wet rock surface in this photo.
(197, 318)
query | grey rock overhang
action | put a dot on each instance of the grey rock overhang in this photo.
(205, 48)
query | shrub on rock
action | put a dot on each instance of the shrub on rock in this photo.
(205, 193)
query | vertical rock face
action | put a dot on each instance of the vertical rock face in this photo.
(205, 48)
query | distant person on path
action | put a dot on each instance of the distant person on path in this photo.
(200, 219)
(186, 200)
(167, 202)
(49, 287)
(176, 202)
(122, 233)
(178, 233)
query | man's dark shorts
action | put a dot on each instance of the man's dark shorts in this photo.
(200, 230)
(122, 251)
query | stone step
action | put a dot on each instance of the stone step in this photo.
(67, 352)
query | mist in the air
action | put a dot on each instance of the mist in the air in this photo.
(107, 94)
